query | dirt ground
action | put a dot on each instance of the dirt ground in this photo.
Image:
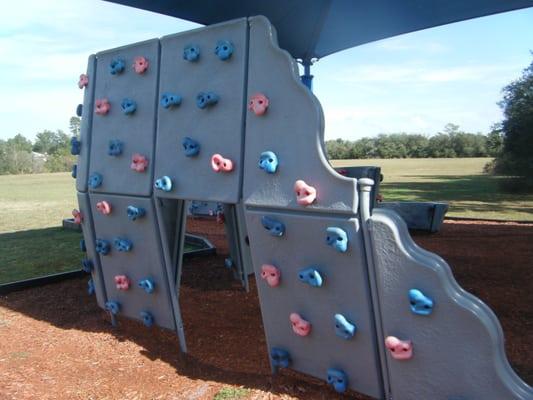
(55, 343)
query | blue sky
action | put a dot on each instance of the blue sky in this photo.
(416, 82)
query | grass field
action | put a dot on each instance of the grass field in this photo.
(459, 182)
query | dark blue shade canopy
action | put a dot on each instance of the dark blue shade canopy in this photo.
(311, 29)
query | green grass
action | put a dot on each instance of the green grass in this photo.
(460, 182)
(231, 393)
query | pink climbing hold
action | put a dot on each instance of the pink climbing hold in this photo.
(78, 217)
(221, 164)
(139, 162)
(122, 282)
(305, 194)
(271, 274)
(399, 349)
(140, 64)
(102, 106)
(104, 207)
(258, 104)
(299, 325)
(84, 81)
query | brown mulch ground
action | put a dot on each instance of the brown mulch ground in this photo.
(55, 343)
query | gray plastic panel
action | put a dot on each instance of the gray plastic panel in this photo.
(458, 349)
(143, 261)
(85, 128)
(292, 128)
(88, 235)
(218, 129)
(345, 291)
(136, 131)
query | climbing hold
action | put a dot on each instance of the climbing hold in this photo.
(122, 282)
(169, 100)
(103, 247)
(399, 349)
(258, 104)
(95, 180)
(83, 247)
(206, 99)
(139, 162)
(299, 325)
(90, 287)
(104, 207)
(338, 379)
(74, 172)
(274, 227)
(122, 244)
(271, 274)
(191, 147)
(221, 164)
(128, 106)
(280, 358)
(135, 212)
(87, 265)
(337, 238)
(311, 276)
(164, 183)
(84, 81)
(102, 106)
(344, 328)
(228, 263)
(140, 64)
(420, 303)
(78, 217)
(191, 53)
(305, 194)
(224, 49)
(75, 146)
(113, 307)
(147, 318)
(147, 285)
(79, 110)
(117, 66)
(268, 161)
(115, 147)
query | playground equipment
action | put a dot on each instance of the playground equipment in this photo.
(345, 294)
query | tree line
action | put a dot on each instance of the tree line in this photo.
(50, 152)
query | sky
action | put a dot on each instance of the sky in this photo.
(417, 82)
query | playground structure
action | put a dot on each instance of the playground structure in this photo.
(219, 114)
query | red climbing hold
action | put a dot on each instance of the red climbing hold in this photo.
(102, 106)
(140, 64)
(258, 104)
(84, 81)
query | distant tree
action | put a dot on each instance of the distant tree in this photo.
(50, 142)
(495, 140)
(19, 142)
(74, 126)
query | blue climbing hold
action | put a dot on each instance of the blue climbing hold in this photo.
(164, 183)
(122, 244)
(273, 226)
(337, 238)
(74, 172)
(112, 306)
(115, 147)
(228, 263)
(147, 318)
(117, 66)
(135, 212)
(224, 49)
(344, 328)
(75, 146)
(338, 379)
(95, 180)
(311, 276)
(206, 99)
(191, 53)
(90, 287)
(268, 162)
(128, 106)
(87, 265)
(103, 247)
(147, 285)
(169, 100)
(280, 358)
(420, 303)
(79, 110)
(191, 147)
(83, 247)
